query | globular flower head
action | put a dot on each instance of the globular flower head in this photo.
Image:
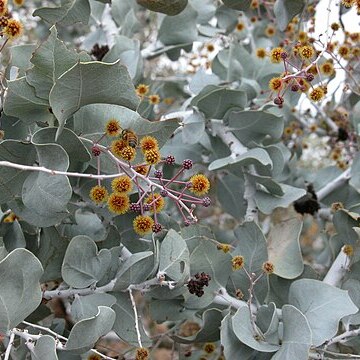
(337, 206)
(117, 146)
(327, 68)
(10, 218)
(187, 164)
(170, 160)
(143, 224)
(237, 262)
(154, 99)
(317, 94)
(122, 184)
(268, 267)
(275, 54)
(156, 228)
(200, 184)
(344, 51)
(335, 26)
(206, 201)
(156, 202)
(3, 21)
(142, 169)
(3, 7)
(112, 127)
(142, 354)
(270, 31)
(142, 90)
(224, 247)
(94, 357)
(96, 151)
(303, 37)
(275, 84)
(152, 157)
(128, 153)
(240, 26)
(210, 47)
(348, 250)
(261, 53)
(118, 203)
(348, 3)
(18, 2)
(209, 348)
(148, 143)
(98, 194)
(13, 29)
(306, 52)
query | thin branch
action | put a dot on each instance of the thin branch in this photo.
(334, 184)
(35, 326)
(136, 317)
(56, 172)
(343, 337)
(252, 213)
(337, 270)
(228, 138)
(224, 298)
(30, 339)
(8, 349)
(66, 293)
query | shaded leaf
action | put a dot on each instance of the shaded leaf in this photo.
(285, 10)
(284, 248)
(171, 31)
(296, 340)
(70, 12)
(244, 331)
(20, 292)
(174, 257)
(135, 270)
(45, 348)
(242, 5)
(83, 265)
(86, 332)
(214, 101)
(168, 7)
(124, 325)
(324, 310)
(78, 87)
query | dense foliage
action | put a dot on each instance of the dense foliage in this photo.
(180, 174)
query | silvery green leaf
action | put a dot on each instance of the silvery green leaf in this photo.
(284, 248)
(297, 337)
(45, 348)
(322, 311)
(244, 331)
(20, 292)
(233, 347)
(174, 257)
(86, 332)
(285, 10)
(83, 265)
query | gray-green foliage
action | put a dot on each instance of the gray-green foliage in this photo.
(59, 97)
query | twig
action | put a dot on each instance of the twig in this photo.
(35, 326)
(136, 317)
(66, 293)
(249, 195)
(341, 338)
(224, 298)
(30, 339)
(334, 184)
(56, 172)
(337, 270)
(8, 349)
(237, 149)
(228, 138)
